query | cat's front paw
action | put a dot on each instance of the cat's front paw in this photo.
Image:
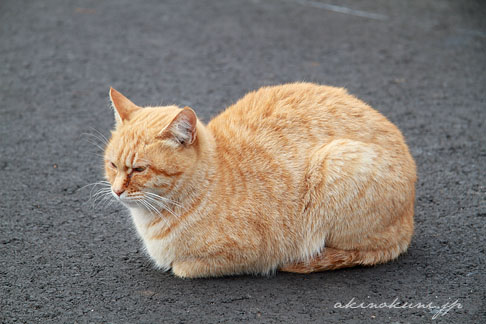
(188, 269)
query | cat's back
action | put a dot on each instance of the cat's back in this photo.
(302, 114)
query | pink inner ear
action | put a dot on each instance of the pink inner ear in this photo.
(123, 106)
(189, 115)
(182, 128)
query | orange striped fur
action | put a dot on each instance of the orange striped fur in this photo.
(297, 177)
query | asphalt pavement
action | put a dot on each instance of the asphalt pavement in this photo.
(421, 63)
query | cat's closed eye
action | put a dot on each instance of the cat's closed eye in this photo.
(139, 169)
(113, 165)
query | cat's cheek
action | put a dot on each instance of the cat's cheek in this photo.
(109, 178)
(158, 186)
(140, 181)
(109, 173)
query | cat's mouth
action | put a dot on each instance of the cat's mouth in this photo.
(127, 199)
(150, 201)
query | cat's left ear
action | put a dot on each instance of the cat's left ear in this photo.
(182, 129)
(122, 105)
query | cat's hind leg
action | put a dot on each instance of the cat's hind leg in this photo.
(331, 259)
(360, 197)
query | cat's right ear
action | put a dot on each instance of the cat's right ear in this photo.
(122, 106)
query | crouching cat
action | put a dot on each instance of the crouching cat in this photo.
(296, 177)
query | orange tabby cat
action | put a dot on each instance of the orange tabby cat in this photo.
(296, 177)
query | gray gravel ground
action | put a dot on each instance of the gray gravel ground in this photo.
(421, 63)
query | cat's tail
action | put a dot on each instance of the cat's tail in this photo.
(331, 259)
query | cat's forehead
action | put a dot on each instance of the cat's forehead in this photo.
(125, 145)
(154, 117)
(147, 123)
(135, 135)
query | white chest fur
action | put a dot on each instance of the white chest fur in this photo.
(161, 250)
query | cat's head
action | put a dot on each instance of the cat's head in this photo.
(150, 150)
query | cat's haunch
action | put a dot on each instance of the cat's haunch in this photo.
(296, 177)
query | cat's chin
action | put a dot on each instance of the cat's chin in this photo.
(127, 201)
(131, 204)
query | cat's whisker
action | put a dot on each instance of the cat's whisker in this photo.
(150, 207)
(97, 196)
(170, 201)
(102, 188)
(110, 201)
(98, 201)
(98, 140)
(147, 206)
(162, 205)
(99, 187)
(149, 202)
(97, 183)
(159, 200)
(152, 201)
(95, 144)
(101, 195)
(101, 192)
(91, 137)
(154, 209)
(97, 154)
(99, 135)
(165, 199)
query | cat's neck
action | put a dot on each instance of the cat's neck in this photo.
(199, 181)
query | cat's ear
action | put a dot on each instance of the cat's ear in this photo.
(182, 129)
(122, 106)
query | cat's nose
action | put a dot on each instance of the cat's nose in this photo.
(118, 192)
